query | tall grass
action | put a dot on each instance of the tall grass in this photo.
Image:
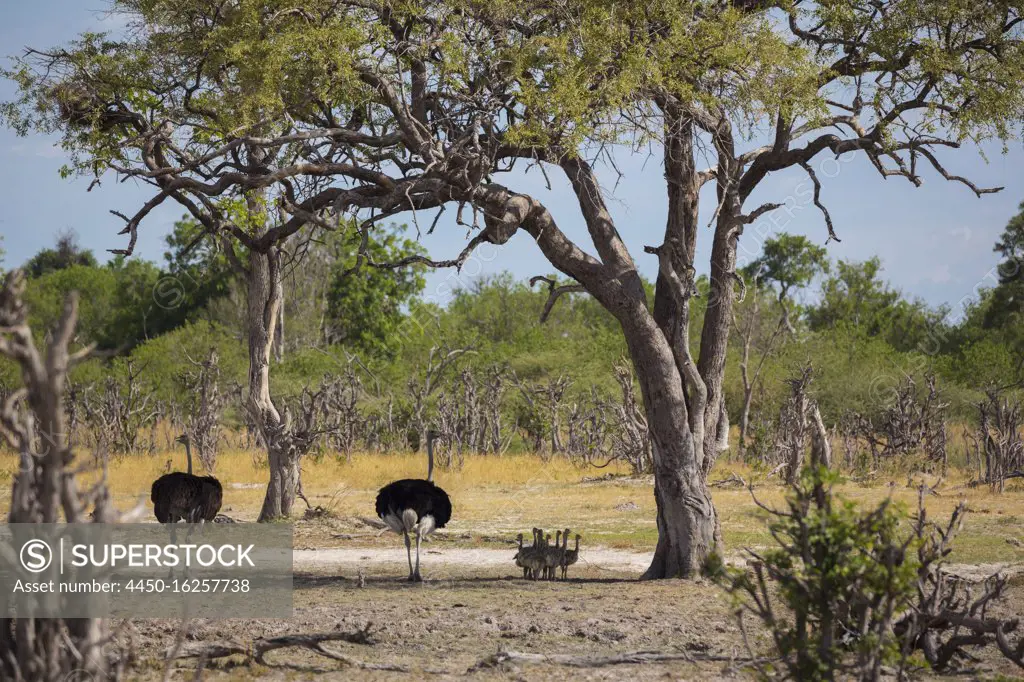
(244, 474)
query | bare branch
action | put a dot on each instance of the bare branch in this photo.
(554, 292)
(817, 201)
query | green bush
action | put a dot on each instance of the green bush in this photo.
(830, 587)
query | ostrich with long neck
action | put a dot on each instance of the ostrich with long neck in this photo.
(181, 496)
(415, 506)
(571, 556)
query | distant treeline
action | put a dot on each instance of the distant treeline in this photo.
(410, 358)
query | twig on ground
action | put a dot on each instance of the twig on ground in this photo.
(256, 651)
(733, 480)
(630, 658)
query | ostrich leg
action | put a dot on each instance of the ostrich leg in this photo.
(174, 541)
(408, 552)
(416, 576)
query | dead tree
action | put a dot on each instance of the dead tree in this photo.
(206, 405)
(793, 426)
(472, 419)
(45, 490)
(553, 394)
(950, 614)
(821, 447)
(847, 430)
(449, 449)
(911, 423)
(748, 331)
(381, 432)
(306, 422)
(529, 416)
(494, 391)
(341, 397)
(799, 422)
(631, 439)
(169, 413)
(439, 361)
(541, 416)
(119, 413)
(999, 435)
(72, 411)
(587, 428)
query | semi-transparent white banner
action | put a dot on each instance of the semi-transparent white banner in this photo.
(146, 570)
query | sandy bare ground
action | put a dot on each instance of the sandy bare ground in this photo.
(447, 560)
(451, 561)
(474, 604)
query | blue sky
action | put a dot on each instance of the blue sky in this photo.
(935, 241)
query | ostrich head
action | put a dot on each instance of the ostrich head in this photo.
(184, 440)
(432, 435)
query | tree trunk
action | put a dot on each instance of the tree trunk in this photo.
(279, 330)
(687, 521)
(821, 449)
(748, 385)
(263, 302)
(658, 340)
(748, 398)
(715, 334)
(722, 431)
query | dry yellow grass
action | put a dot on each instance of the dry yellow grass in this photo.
(333, 481)
(496, 497)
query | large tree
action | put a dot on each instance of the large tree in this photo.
(266, 117)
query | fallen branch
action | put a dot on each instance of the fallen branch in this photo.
(262, 646)
(733, 480)
(631, 658)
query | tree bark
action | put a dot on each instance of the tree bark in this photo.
(748, 384)
(263, 280)
(715, 334)
(686, 517)
(821, 449)
(279, 331)
(675, 395)
(748, 399)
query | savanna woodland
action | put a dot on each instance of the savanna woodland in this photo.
(847, 430)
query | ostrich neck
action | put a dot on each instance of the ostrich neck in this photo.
(577, 544)
(188, 455)
(430, 459)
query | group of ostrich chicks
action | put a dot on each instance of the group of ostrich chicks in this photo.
(542, 560)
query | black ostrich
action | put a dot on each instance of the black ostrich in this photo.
(415, 506)
(181, 496)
